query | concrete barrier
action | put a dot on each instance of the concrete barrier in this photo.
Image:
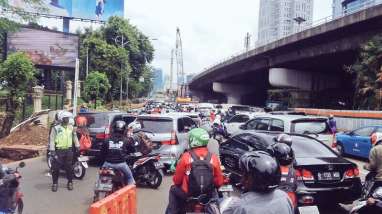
(347, 119)
(121, 202)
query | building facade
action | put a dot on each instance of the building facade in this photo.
(280, 18)
(158, 80)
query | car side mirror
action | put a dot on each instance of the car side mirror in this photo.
(187, 129)
(244, 127)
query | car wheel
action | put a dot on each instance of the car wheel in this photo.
(340, 149)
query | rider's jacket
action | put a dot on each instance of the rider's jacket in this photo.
(116, 149)
(375, 161)
(273, 202)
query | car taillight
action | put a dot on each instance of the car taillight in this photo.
(172, 141)
(334, 144)
(105, 135)
(351, 173)
(304, 175)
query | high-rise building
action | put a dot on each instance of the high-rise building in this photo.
(158, 80)
(350, 6)
(279, 18)
(337, 8)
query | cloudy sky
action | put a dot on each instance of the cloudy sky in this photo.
(211, 29)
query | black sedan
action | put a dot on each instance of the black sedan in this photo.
(323, 176)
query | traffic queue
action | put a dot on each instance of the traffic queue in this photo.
(237, 159)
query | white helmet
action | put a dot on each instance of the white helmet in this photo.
(134, 126)
(62, 114)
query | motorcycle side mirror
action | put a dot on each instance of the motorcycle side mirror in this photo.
(22, 164)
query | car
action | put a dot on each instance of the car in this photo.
(99, 125)
(323, 176)
(169, 134)
(315, 126)
(356, 142)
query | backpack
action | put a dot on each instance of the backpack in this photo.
(84, 139)
(201, 177)
(146, 146)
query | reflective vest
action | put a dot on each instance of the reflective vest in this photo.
(64, 137)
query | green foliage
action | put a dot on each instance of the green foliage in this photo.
(106, 54)
(96, 85)
(17, 75)
(367, 71)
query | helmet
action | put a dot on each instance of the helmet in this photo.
(284, 138)
(376, 138)
(198, 137)
(283, 153)
(135, 126)
(65, 116)
(263, 168)
(119, 126)
(81, 121)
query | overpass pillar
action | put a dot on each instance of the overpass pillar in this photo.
(233, 92)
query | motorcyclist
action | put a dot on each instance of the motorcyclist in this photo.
(141, 142)
(179, 192)
(7, 193)
(63, 146)
(375, 162)
(115, 152)
(261, 178)
(284, 154)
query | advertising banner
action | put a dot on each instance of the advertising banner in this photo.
(87, 9)
(46, 48)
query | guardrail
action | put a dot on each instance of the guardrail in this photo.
(121, 202)
(325, 20)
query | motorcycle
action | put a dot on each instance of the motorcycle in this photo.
(80, 164)
(109, 181)
(219, 132)
(362, 206)
(18, 203)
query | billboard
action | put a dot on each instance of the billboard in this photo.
(87, 9)
(45, 48)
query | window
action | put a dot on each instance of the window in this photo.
(277, 125)
(180, 125)
(189, 123)
(156, 125)
(310, 126)
(239, 119)
(252, 124)
(262, 124)
(364, 132)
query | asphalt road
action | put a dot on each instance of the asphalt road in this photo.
(40, 200)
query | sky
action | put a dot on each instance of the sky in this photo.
(211, 30)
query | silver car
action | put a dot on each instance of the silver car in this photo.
(170, 134)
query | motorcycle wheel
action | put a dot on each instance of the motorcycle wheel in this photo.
(49, 160)
(79, 171)
(20, 206)
(99, 196)
(155, 179)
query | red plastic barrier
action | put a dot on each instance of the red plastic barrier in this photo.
(123, 201)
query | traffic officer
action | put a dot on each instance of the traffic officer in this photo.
(64, 144)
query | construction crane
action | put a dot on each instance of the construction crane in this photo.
(179, 62)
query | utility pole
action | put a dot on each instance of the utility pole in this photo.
(87, 61)
(120, 40)
(247, 42)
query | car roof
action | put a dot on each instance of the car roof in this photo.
(289, 117)
(173, 115)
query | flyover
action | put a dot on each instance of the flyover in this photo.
(310, 60)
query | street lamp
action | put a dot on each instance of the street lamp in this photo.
(299, 21)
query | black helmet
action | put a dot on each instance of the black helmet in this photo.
(263, 168)
(284, 138)
(283, 153)
(119, 126)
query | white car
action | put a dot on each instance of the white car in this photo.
(314, 126)
(233, 124)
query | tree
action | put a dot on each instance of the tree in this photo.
(96, 85)
(367, 71)
(17, 75)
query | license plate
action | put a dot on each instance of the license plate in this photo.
(328, 176)
(226, 188)
(104, 187)
(83, 158)
(308, 210)
(158, 165)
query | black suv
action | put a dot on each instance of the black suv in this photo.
(99, 124)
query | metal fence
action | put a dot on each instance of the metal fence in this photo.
(347, 124)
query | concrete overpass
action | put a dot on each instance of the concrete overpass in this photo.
(312, 60)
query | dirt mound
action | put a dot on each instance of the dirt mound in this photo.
(28, 135)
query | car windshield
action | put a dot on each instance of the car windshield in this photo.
(304, 147)
(96, 120)
(310, 126)
(241, 108)
(157, 125)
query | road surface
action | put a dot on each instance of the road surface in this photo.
(39, 199)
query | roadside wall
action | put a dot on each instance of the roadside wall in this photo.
(347, 119)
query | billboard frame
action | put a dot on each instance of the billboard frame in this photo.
(53, 67)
